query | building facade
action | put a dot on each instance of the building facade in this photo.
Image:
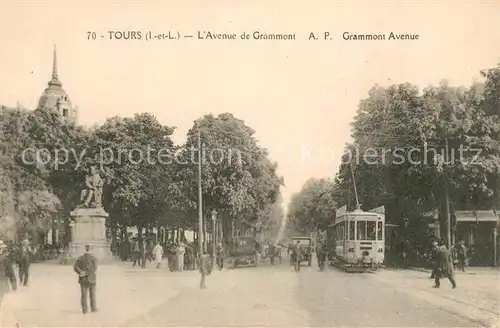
(479, 231)
(55, 98)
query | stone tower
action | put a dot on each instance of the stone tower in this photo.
(55, 98)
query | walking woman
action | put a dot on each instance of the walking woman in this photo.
(180, 257)
(158, 254)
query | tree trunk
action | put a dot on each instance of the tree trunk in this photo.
(54, 235)
(139, 231)
(113, 236)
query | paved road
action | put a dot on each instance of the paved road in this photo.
(278, 297)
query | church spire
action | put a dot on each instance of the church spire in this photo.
(55, 78)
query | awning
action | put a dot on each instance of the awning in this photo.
(477, 216)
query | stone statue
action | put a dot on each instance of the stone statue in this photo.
(94, 184)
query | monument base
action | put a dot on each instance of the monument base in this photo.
(89, 228)
(101, 251)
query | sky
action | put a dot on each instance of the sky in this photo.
(298, 95)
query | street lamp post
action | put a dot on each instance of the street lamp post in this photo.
(495, 253)
(214, 236)
(203, 257)
(71, 232)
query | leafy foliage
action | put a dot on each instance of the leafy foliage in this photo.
(148, 180)
(407, 145)
(313, 207)
(133, 156)
(238, 178)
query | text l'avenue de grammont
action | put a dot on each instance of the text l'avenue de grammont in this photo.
(254, 35)
(392, 36)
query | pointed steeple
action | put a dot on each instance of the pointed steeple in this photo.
(55, 78)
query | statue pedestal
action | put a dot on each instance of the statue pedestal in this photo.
(90, 229)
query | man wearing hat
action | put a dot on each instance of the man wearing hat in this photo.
(443, 265)
(25, 254)
(86, 267)
(7, 275)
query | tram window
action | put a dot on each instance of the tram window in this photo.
(361, 230)
(351, 231)
(379, 230)
(345, 230)
(371, 230)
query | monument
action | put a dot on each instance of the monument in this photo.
(88, 221)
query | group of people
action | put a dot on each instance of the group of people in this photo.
(274, 252)
(180, 255)
(23, 256)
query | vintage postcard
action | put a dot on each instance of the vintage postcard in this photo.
(249, 163)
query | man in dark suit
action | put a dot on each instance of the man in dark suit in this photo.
(25, 254)
(443, 266)
(7, 275)
(86, 267)
(297, 256)
(136, 252)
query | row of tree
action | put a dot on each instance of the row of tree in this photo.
(410, 149)
(149, 181)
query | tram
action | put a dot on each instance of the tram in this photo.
(357, 240)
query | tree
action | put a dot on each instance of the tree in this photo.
(29, 203)
(238, 178)
(402, 137)
(313, 207)
(135, 157)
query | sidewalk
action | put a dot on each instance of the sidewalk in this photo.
(469, 270)
(476, 296)
(246, 297)
(52, 298)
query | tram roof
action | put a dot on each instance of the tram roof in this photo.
(342, 216)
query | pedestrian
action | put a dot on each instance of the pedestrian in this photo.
(149, 249)
(7, 276)
(158, 253)
(291, 254)
(124, 250)
(220, 256)
(136, 252)
(280, 253)
(272, 252)
(143, 249)
(190, 257)
(321, 255)
(86, 267)
(181, 250)
(443, 265)
(25, 257)
(433, 257)
(172, 255)
(462, 255)
(297, 256)
(203, 267)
